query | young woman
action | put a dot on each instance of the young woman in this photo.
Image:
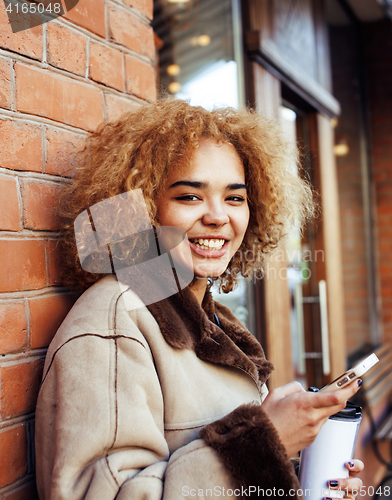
(169, 400)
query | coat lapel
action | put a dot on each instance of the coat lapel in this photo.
(187, 325)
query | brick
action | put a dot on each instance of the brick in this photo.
(40, 208)
(89, 14)
(117, 106)
(23, 265)
(28, 42)
(54, 257)
(46, 315)
(45, 94)
(10, 207)
(66, 49)
(145, 7)
(21, 147)
(379, 101)
(19, 387)
(13, 327)
(384, 269)
(25, 492)
(140, 78)
(106, 66)
(13, 454)
(60, 149)
(126, 29)
(5, 84)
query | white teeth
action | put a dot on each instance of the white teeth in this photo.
(208, 244)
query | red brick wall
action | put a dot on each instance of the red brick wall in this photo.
(377, 41)
(346, 90)
(378, 38)
(57, 81)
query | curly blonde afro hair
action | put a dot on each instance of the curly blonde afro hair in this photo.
(137, 151)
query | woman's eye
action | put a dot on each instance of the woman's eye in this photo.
(188, 197)
(236, 198)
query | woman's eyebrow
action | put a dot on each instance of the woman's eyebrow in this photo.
(202, 185)
(232, 187)
(194, 184)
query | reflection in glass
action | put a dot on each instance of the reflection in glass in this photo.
(196, 58)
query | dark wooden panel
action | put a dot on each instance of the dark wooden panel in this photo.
(289, 38)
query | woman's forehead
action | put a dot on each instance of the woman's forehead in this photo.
(209, 159)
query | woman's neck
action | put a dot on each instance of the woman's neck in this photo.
(199, 287)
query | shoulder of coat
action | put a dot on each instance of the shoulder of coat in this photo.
(103, 310)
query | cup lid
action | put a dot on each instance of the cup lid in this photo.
(351, 411)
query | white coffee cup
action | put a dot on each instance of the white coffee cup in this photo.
(324, 460)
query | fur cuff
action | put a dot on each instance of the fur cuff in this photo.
(249, 446)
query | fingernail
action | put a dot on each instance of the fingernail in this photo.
(359, 383)
(350, 464)
(328, 498)
(333, 484)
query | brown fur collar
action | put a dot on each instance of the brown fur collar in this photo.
(187, 325)
(250, 447)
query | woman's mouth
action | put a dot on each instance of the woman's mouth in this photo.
(208, 244)
(211, 248)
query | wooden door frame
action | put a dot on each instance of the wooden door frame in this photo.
(272, 295)
(322, 142)
(273, 322)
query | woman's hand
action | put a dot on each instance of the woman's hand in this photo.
(298, 415)
(352, 485)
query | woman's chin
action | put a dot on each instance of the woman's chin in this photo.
(211, 272)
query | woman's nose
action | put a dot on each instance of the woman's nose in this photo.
(216, 216)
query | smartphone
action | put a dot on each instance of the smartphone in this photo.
(353, 374)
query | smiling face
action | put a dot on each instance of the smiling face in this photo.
(208, 199)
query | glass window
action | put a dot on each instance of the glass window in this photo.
(198, 60)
